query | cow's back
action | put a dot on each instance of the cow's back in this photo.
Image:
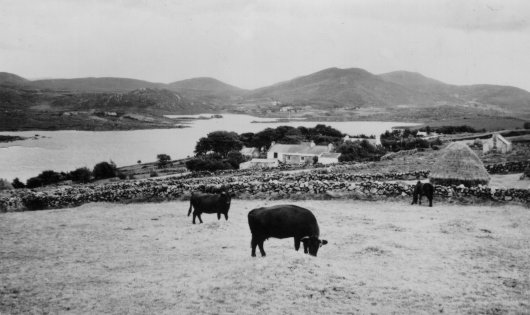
(283, 221)
(204, 202)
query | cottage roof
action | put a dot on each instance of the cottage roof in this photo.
(330, 155)
(501, 138)
(303, 148)
(248, 151)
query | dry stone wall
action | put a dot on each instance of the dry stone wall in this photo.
(508, 167)
(254, 186)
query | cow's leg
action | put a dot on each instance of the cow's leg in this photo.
(199, 216)
(430, 201)
(226, 215)
(262, 251)
(218, 216)
(189, 210)
(306, 248)
(419, 199)
(296, 243)
(253, 244)
(194, 215)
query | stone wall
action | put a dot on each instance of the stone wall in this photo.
(508, 167)
(320, 185)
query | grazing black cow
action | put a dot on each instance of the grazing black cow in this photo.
(284, 221)
(420, 190)
(209, 203)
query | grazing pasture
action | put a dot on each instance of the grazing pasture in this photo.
(381, 257)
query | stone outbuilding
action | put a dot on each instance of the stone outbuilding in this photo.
(497, 143)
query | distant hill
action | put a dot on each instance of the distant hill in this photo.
(94, 84)
(340, 87)
(336, 87)
(11, 79)
(204, 84)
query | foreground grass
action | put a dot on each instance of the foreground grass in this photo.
(382, 258)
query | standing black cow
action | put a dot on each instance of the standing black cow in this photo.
(284, 221)
(420, 190)
(209, 203)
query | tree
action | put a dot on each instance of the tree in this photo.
(104, 170)
(163, 160)
(220, 142)
(235, 158)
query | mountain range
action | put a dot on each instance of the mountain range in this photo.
(327, 89)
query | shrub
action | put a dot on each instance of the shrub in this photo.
(121, 175)
(527, 125)
(205, 164)
(17, 184)
(34, 182)
(153, 174)
(235, 158)
(104, 170)
(80, 175)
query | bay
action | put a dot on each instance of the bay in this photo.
(66, 150)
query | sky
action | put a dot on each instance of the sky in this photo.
(251, 44)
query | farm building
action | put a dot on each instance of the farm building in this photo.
(497, 143)
(250, 152)
(458, 164)
(306, 152)
(329, 158)
(259, 163)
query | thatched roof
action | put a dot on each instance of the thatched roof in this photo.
(457, 165)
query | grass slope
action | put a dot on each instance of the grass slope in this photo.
(382, 258)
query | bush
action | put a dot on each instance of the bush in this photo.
(121, 175)
(104, 170)
(17, 184)
(34, 182)
(205, 164)
(527, 125)
(153, 174)
(80, 175)
(235, 158)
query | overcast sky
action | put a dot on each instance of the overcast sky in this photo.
(256, 43)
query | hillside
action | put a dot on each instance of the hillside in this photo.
(336, 87)
(208, 91)
(11, 79)
(94, 84)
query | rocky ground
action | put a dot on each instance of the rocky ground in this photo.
(382, 257)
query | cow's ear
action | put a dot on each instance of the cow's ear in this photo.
(323, 242)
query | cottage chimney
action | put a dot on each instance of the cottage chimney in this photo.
(312, 144)
(273, 143)
(330, 147)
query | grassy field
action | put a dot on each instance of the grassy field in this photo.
(381, 258)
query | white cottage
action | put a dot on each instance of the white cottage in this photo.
(298, 153)
(497, 143)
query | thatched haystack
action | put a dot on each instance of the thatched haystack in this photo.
(457, 165)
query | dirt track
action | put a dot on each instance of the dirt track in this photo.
(382, 258)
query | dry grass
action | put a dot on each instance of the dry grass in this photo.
(382, 258)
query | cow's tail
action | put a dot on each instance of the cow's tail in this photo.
(189, 211)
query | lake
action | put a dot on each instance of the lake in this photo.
(66, 150)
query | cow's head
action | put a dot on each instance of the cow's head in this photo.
(313, 244)
(226, 198)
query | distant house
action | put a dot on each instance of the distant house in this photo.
(250, 152)
(496, 143)
(297, 153)
(329, 158)
(259, 163)
(372, 141)
(286, 109)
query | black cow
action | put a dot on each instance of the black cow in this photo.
(209, 203)
(420, 190)
(284, 221)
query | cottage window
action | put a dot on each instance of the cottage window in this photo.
(302, 158)
(275, 155)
